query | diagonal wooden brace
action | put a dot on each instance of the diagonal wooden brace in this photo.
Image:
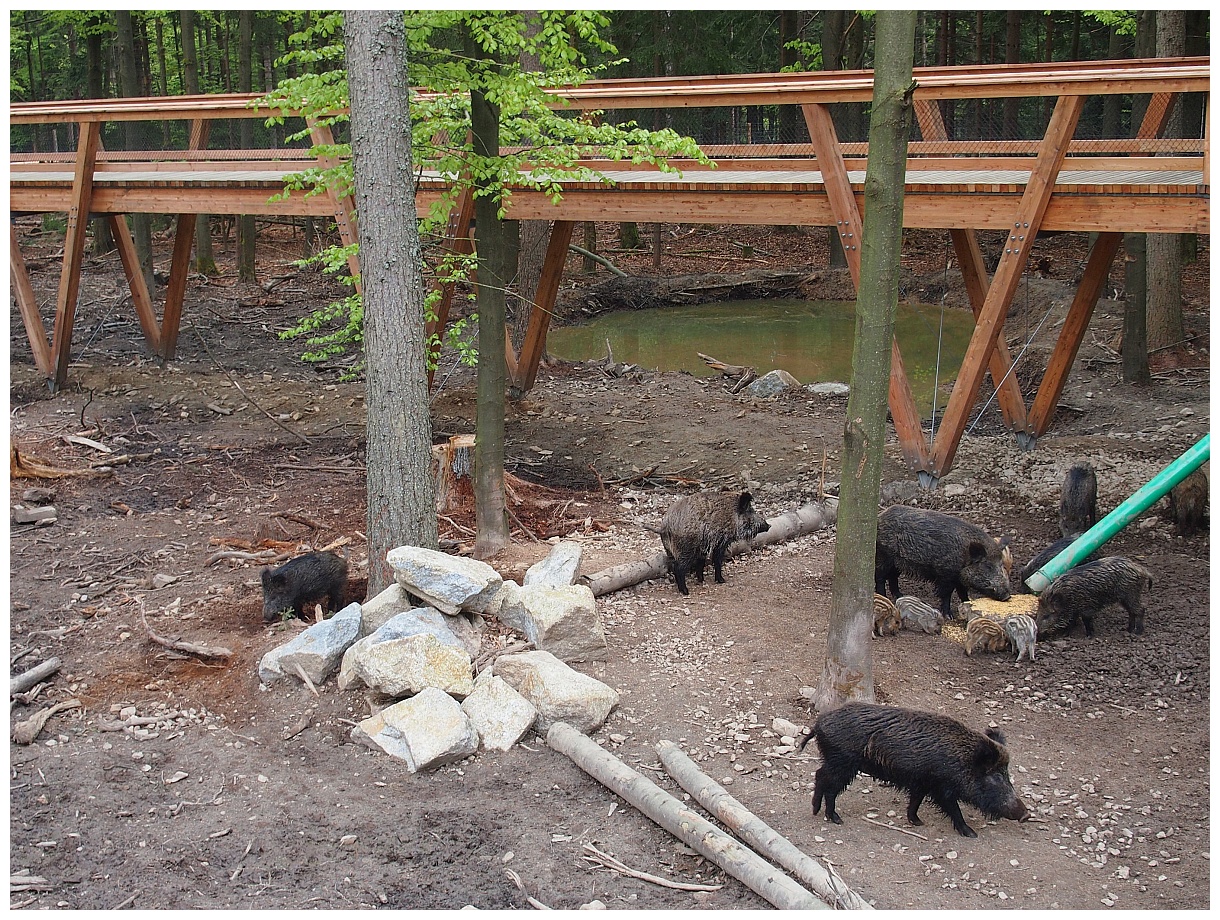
(907, 423)
(1004, 284)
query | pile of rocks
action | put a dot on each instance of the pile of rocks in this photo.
(416, 642)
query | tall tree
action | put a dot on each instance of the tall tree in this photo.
(245, 84)
(847, 672)
(1012, 55)
(401, 506)
(205, 260)
(1165, 249)
(129, 83)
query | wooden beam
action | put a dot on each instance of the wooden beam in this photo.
(27, 303)
(74, 250)
(343, 209)
(459, 241)
(1092, 283)
(908, 425)
(141, 299)
(1059, 364)
(1023, 230)
(180, 265)
(543, 306)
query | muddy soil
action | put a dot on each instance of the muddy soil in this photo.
(180, 782)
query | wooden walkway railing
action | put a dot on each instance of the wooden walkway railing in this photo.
(1145, 183)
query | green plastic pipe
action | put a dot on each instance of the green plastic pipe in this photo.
(1123, 515)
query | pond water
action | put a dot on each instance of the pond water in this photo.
(812, 340)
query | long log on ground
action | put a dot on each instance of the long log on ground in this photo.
(790, 524)
(34, 675)
(823, 881)
(658, 805)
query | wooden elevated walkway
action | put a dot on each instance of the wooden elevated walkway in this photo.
(1144, 183)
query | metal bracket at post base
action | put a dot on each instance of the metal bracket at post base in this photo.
(1124, 514)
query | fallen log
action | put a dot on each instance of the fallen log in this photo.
(790, 524)
(27, 731)
(34, 675)
(696, 832)
(823, 881)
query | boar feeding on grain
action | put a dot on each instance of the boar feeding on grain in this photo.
(1081, 592)
(886, 619)
(1022, 633)
(942, 549)
(916, 614)
(986, 635)
(1042, 559)
(703, 526)
(927, 755)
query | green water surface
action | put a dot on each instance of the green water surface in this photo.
(812, 340)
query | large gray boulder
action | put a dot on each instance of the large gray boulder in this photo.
(448, 583)
(429, 730)
(315, 652)
(410, 652)
(772, 383)
(559, 568)
(559, 693)
(499, 713)
(562, 620)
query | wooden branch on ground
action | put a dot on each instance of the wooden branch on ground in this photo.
(598, 259)
(594, 855)
(824, 882)
(27, 731)
(190, 648)
(658, 805)
(729, 370)
(803, 520)
(34, 675)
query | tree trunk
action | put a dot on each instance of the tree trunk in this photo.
(245, 83)
(847, 672)
(490, 516)
(1135, 323)
(205, 261)
(103, 239)
(1012, 55)
(401, 507)
(129, 82)
(1165, 249)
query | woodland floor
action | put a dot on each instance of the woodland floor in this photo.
(226, 801)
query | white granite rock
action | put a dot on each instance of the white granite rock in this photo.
(559, 568)
(398, 667)
(428, 730)
(317, 650)
(376, 611)
(415, 622)
(448, 583)
(561, 620)
(772, 383)
(499, 713)
(559, 693)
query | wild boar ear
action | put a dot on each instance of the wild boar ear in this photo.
(977, 551)
(266, 576)
(995, 735)
(744, 500)
(986, 755)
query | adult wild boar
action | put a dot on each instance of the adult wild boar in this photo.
(927, 755)
(942, 549)
(703, 526)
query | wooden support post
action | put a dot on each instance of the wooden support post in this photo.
(458, 241)
(74, 249)
(1020, 241)
(907, 423)
(343, 208)
(974, 274)
(141, 299)
(1096, 273)
(1093, 282)
(544, 305)
(27, 303)
(180, 265)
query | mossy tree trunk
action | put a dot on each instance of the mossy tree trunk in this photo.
(847, 672)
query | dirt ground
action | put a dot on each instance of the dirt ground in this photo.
(220, 793)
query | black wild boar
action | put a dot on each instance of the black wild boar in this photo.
(306, 579)
(1078, 500)
(928, 756)
(703, 526)
(1043, 558)
(942, 549)
(1188, 503)
(1081, 592)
